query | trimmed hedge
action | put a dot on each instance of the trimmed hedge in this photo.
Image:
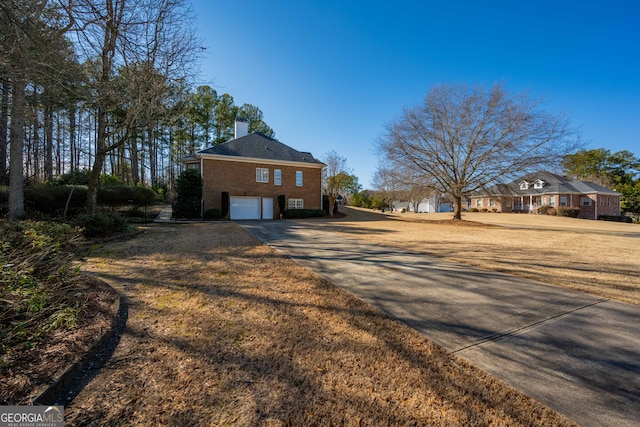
(304, 213)
(213, 214)
(569, 212)
(615, 218)
(121, 195)
(52, 199)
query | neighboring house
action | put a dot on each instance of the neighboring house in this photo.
(534, 190)
(431, 204)
(255, 169)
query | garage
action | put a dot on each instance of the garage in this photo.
(245, 208)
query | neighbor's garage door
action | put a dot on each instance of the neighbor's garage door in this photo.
(245, 208)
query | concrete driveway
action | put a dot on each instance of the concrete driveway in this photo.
(579, 354)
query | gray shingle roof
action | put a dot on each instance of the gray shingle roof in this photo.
(553, 184)
(259, 146)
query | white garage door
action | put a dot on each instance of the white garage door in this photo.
(245, 208)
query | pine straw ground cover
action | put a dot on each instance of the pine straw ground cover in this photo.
(223, 330)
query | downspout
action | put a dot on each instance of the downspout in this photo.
(596, 210)
(202, 177)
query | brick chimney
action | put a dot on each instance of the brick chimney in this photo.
(241, 128)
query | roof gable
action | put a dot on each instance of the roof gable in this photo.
(551, 184)
(259, 146)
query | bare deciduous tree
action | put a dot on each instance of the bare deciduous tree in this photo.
(336, 178)
(121, 33)
(466, 138)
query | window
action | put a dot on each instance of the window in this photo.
(478, 203)
(563, 200)
(492, 202)
(262, 175)
(296, 203)
(585, 201)
(524, 185)
(538, 184)
(298, 178)
(193, 166)
(552, 201)
(277, 177)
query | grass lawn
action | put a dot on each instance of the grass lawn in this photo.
(223, 330)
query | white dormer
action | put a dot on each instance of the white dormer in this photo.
(538, 184)
(524, 185)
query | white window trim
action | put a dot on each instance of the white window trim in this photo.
(262, 175)
(277, 177)
(299, 181)
(295, 204)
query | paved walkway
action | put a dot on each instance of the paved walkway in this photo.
(577, 353)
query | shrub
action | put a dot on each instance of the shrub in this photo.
(543, 210)
(188, 195)
(52, 200)
(474, 210)
(552, 211)
(569, 212)
(304, 213)
(224, 203)
(326, 203)
(38, 291)
(494, 210)
(483, 210)
(615, 218)
(81, 177)
(134, 212)
(101, 224)
(120, 195)
(214, 214)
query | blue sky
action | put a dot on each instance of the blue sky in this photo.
(328, 75)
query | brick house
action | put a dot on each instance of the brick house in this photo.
(255, 169)
(534, 190)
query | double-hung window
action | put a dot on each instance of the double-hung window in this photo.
(296, 203)
(277, 177)
(262, 175)
(298, 178)
(552, 201)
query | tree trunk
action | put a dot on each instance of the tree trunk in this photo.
(332, 203)
(98, 162)
(152, 155)
(134, 160)
(72, 137)
(48, 139)
(4, 122)
(457, 209)
(16, 188)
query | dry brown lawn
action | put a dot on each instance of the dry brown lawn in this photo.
(223, 330)
(602, 258)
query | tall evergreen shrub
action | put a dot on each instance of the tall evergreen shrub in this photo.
(188, 195)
